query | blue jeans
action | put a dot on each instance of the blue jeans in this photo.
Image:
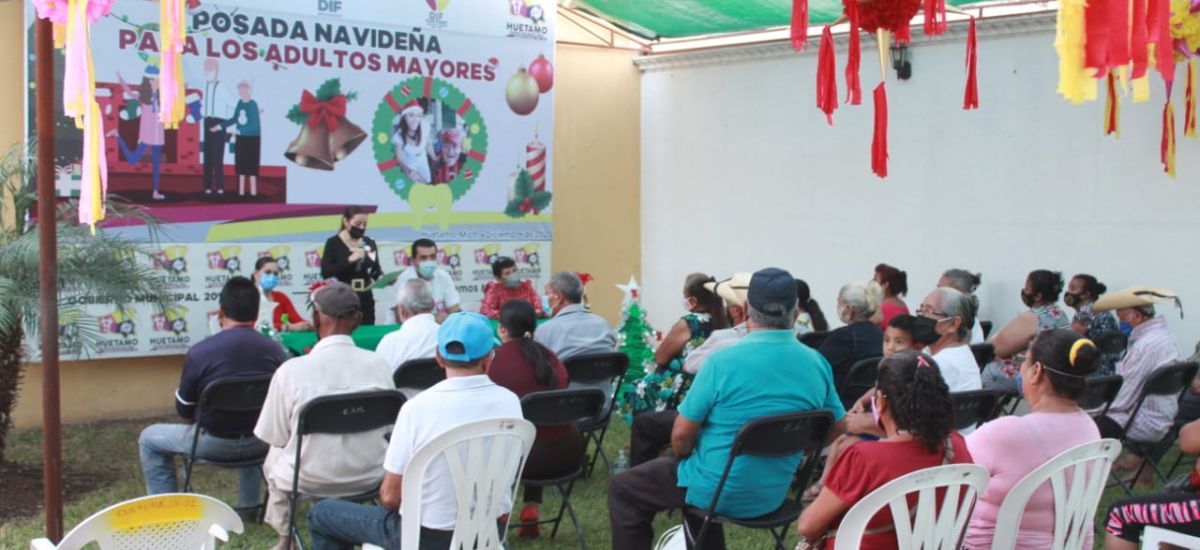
(159, 443)
(340, 524)
(135, 155)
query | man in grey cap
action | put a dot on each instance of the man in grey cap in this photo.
(768, 372)
(332, 465)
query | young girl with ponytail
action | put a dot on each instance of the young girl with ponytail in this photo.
(525, 366)
(911, 404)
(1052, 381)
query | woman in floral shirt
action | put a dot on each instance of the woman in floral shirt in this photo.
(665, 386)
(1082, 293)
(1040, 295)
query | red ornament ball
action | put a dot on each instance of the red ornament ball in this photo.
(889, 15)
(543, 72)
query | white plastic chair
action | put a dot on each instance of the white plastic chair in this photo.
(172, 520)
(1075, 502)
(487, 473)
(1152, 537)
(927, 527)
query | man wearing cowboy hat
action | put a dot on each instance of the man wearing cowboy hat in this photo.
(651, 431)
(1152, 345)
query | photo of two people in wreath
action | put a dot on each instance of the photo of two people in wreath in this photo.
(425, 155)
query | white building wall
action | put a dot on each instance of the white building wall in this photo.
(740, 171)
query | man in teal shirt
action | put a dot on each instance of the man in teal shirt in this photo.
(769, 372)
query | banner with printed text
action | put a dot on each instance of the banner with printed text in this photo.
(435, 116)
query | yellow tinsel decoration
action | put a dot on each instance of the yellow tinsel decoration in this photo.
(1075, 82)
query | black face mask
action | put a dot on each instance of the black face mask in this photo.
(1026, 298)
(924, 330)
(1072, 300)
(357, 232)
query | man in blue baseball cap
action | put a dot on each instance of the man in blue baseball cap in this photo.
(768, 372)
(464, 348)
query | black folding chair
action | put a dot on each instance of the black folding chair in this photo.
(340, 414)
(813, 339)
(1099, 392)
(1170, 380)
(859, 379)
(236, 394)
(417, 375)
(973, 408)
(984, 354)
(986, 327)
(604, 372)
(561, 408)
(774, 436)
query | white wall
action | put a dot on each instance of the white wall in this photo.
(740, 171)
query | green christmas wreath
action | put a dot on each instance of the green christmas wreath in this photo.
(475, 141)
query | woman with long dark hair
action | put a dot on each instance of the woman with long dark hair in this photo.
(353, 258)
(665, 387)
(911, 404)
(811, 318)
(525, 366)
(1040, 295)
(894, 282)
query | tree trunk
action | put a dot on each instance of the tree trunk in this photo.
(12, 363)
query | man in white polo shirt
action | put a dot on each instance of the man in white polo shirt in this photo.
(465, 342)
(331, 465)
(417, 336)
(425, 266)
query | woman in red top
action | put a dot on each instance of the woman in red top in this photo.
(525, 366)
(266, 276)
(507, 286)
(895, 284)
(912, 405)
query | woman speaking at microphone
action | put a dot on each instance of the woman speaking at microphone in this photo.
(353, 258)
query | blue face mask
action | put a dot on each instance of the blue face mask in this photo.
(1018, 379)
(1126, 328)
(546, 304)
(268, 281)
(427, 269)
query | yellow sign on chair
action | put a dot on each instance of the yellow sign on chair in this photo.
(166, 509)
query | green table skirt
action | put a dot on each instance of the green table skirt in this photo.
(365, 337)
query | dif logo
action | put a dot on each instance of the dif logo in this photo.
(119, 322)
(280, 253)
(226, 258)
(528, 255)
(329, 7)
(402, 257)
(312, 258)
(172, 320)
(172, 259)
(450, 255)
(529, 9)
(487, 255)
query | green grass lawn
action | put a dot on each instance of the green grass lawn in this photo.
(111, 448)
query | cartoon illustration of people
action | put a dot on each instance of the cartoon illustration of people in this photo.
(450, 156)
(216, 108)
(413, 144)
(151, 133)
(248, 147)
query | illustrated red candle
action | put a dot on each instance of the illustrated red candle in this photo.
(535, 163)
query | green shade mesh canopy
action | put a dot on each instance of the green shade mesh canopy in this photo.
(681, 18)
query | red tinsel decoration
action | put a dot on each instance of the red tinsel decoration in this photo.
(1167, 146)
(799, 24)
(1095, 49)
(827, 96)
(1189, 110)
(1112, 108)
(887, 14)
(971, 94)
(853, 57)
(1118, 24)
(935, 17)
(879, 146)
(1158, 18)
(1138, 40)
(904, 33)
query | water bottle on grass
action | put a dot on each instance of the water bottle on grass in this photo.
(621, 463)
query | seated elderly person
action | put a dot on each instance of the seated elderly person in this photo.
(651, 431)
(417, 336)
(465, 351)
(861, 338)
(943, 323)
(1040, 295)
(737, 384)
(237, 350)
(1152, 346)
(573, 331)
(331, 465)
(965, 282)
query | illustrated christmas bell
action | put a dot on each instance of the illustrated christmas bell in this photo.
(345, 139)
(311, 149)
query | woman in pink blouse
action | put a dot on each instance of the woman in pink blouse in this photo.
(895, 284)
(507, 286)
(1052, 380)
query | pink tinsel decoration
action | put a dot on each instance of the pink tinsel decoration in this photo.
(54, 10)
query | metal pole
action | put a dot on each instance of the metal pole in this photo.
(48, 280)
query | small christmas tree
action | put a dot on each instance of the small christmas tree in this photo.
(635, 339)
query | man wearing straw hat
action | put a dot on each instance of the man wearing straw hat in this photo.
(1152, 345)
